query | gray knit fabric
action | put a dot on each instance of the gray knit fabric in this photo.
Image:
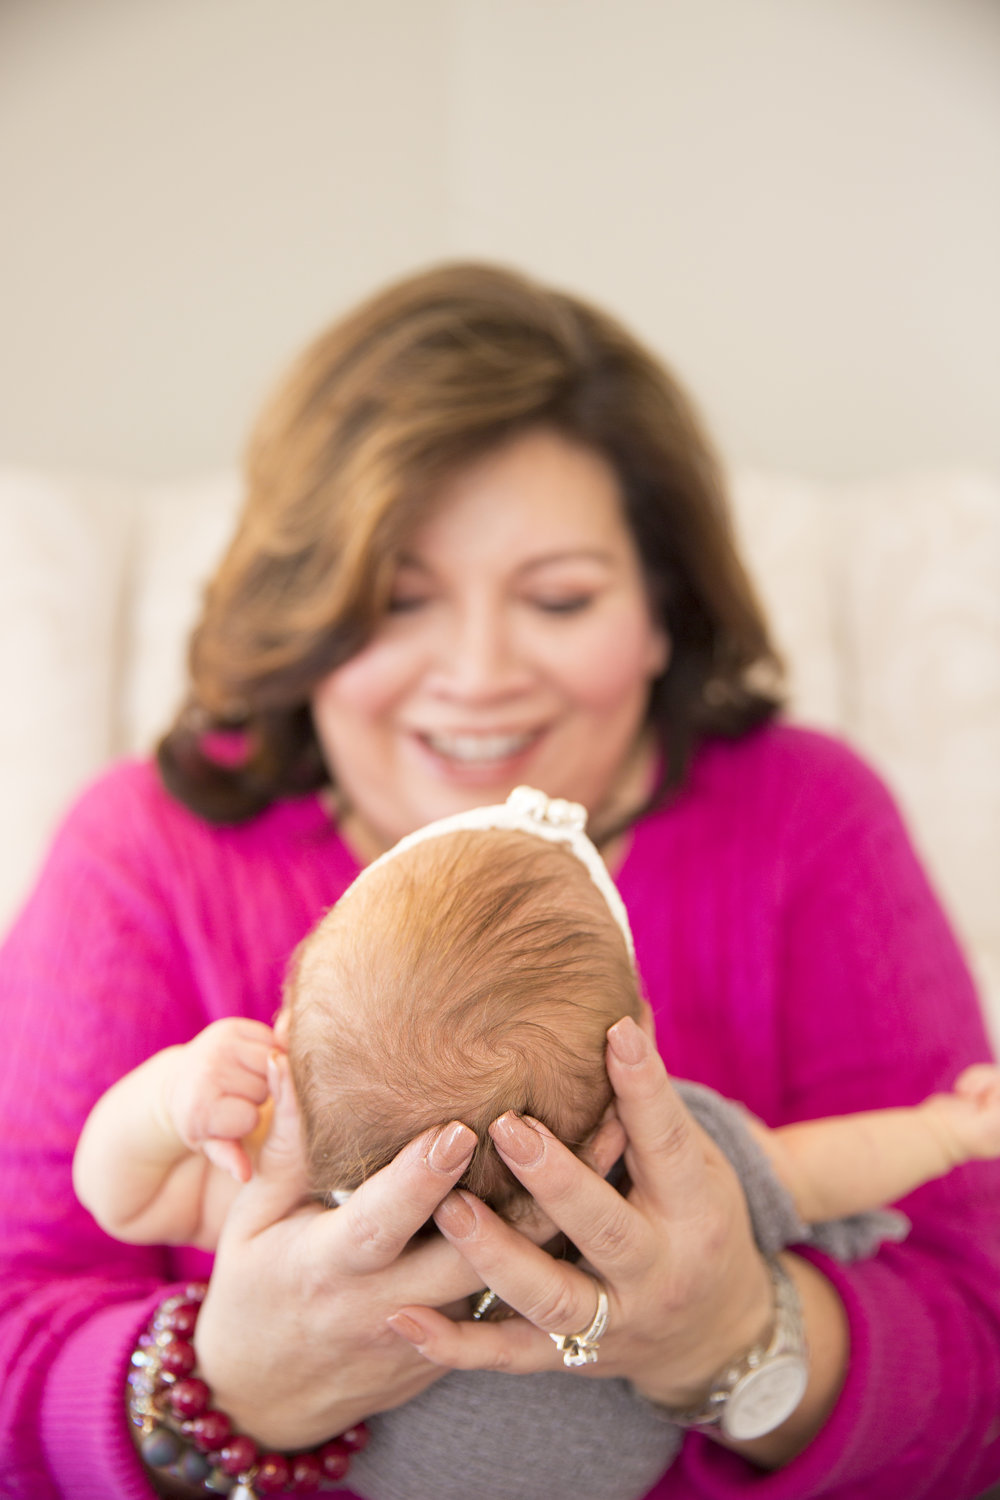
(477, 1435)
(772, 1212)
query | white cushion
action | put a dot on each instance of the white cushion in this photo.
(921, 648)
(184, 529)
(785, 529)
(63, 547)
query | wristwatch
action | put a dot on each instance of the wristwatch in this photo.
(756, 1393)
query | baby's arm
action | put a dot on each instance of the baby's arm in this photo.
(853, 1163)
(152, 1161)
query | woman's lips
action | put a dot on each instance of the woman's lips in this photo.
(479, 749)
(479, 759)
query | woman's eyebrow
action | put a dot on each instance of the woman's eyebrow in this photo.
(544, 560)
(570, 554)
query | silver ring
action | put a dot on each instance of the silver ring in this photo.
(581, 1348)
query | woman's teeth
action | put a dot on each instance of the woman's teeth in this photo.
(478, 748)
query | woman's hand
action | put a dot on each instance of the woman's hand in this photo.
(686, 1286)
(293, 1335)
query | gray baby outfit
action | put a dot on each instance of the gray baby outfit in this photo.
(479, 1435)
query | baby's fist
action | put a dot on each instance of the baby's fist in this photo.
(216, 1089)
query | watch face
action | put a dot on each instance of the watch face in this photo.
(762, 1399)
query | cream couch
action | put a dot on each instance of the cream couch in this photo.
(885, 599)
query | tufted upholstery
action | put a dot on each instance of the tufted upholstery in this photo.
(885, 599)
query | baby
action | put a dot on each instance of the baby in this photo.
(473, 969)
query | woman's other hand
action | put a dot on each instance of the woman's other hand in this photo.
(687, 1288)
(293, 1336)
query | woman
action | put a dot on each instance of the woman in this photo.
(485, 543)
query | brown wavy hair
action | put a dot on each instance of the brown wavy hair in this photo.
(356, 442)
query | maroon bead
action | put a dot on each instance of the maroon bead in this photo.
(178, 1357)
(238, 1455)
(306, 1474)
(189, 1398)
(273, 1473)
(355, 1438)
(210, 1431)
(180, 1319)
(335, 1459)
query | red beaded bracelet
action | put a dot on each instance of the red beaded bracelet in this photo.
(183, 1436)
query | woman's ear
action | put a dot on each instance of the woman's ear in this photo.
(282, 1021)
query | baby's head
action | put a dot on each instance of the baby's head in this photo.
(470, 972)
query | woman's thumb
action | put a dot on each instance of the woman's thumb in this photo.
(282, 1153)
(280, 1181)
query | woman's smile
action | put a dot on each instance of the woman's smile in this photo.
(477, 748)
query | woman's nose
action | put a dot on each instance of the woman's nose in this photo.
(478, 657)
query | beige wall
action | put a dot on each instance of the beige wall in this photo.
(797, 200)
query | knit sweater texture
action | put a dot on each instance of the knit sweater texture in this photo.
(795, 957)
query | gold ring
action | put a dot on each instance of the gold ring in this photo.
(484, 1304)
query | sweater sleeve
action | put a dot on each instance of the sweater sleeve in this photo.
(92, 980)
(876, 1009)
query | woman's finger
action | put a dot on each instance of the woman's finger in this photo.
(552, 1294)
(513, 1346)
(605, 1146)
(666, 1152)
(594, 1215)
(432, 1273)
(280, 1183)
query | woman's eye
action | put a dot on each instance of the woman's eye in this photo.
(570, 604)
(405, 604)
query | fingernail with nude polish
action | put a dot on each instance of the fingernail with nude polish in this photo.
(455, 1216)
(515, 1139)
(452, 1148)
(407, 1328)
(627, 1041)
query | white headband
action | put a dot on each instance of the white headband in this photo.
(527, 811)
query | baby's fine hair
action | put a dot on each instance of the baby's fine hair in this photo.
(475, 973)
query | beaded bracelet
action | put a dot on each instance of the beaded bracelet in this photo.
(184, 1437)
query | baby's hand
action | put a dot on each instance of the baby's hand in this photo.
(214, 1094)
(973, 1111)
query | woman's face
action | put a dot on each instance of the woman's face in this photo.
(519, 648)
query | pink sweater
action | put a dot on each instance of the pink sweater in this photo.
(794, 955)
